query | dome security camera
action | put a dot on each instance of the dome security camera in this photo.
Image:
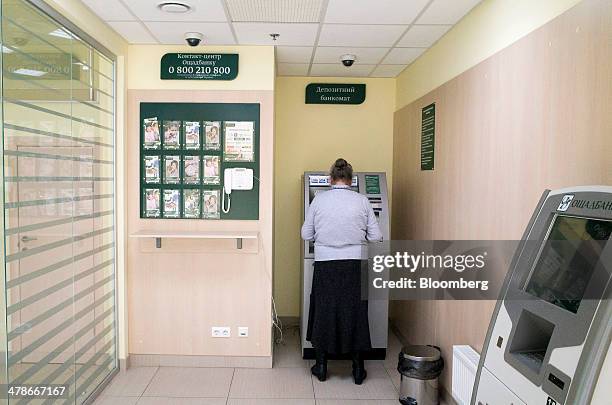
(193, 38)
(348, 60)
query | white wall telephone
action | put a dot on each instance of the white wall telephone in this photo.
(238, 178)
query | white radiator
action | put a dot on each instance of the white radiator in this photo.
(465, 364)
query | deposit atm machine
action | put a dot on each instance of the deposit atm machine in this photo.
(374, 186)
(549, 338)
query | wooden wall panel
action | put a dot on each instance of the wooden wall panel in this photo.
(534, 116)
(177, 293)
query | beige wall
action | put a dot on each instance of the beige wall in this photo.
(311, 137)
(488, 28)
(177, 293)
(531, 117)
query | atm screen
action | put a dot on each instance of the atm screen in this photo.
(568, 259)
(320, 183)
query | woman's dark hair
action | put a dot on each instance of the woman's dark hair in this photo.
(341, 170)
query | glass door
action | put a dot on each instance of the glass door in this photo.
(58, 179)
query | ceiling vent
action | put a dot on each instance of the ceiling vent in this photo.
(278, 11)
(174, 7)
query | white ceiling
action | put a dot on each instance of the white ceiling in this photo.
(385, 35)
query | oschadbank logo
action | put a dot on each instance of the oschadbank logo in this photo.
(565, 202)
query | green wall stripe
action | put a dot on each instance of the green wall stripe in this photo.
(102, 369)
(53, 310)
(56, 113)
(55, 266)
(58, 200)
(42, 86)
(48, 224)
(55, 135)
(36, 367)
(48, 291)
(14, 179)
(54, 245)
(18, 153)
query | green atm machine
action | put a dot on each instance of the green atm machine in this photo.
(374, 186)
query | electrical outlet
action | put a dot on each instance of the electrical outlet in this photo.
(220, 331)
(243, 331)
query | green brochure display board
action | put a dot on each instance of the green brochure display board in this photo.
(184, 150)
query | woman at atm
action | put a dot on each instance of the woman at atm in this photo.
(340, 222)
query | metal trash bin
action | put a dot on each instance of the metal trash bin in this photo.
(419, 367)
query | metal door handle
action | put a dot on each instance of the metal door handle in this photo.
(26, 238)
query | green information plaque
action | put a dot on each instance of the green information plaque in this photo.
(199, 66)
(330, 93)
(428, 136)
(372, 183)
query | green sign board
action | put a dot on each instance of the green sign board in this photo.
(372, 183)
(428, 136)
(329, 93)
(199, 66)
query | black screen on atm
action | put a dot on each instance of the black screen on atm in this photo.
(314, 190)
(568, 259)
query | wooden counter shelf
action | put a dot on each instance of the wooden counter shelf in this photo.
(159, 235)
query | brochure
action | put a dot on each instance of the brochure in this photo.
(211, 204)
(192, 135)
(151, 133)
(152, 174)
(172, 169)
(172, 134)
(171, 203)
(212, 135)
(211, 170)
(191, 169)
(191, 203)
(152, 202)
(239, 141)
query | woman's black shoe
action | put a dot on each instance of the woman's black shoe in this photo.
(359, 374)
(319, 370)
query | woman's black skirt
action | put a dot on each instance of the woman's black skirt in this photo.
(338, 317)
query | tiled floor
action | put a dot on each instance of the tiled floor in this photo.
(288, 383)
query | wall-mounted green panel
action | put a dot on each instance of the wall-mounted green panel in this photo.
(199, 66)
(245, 203)
(335, 93)
(428, 137)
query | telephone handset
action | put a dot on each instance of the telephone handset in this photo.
(238, 178)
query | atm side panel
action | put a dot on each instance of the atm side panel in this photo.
(378, 310)
(307, 267)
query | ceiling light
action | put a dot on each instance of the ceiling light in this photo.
(174, 7)
(60, 33)
(82, 65)
(29, 72)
